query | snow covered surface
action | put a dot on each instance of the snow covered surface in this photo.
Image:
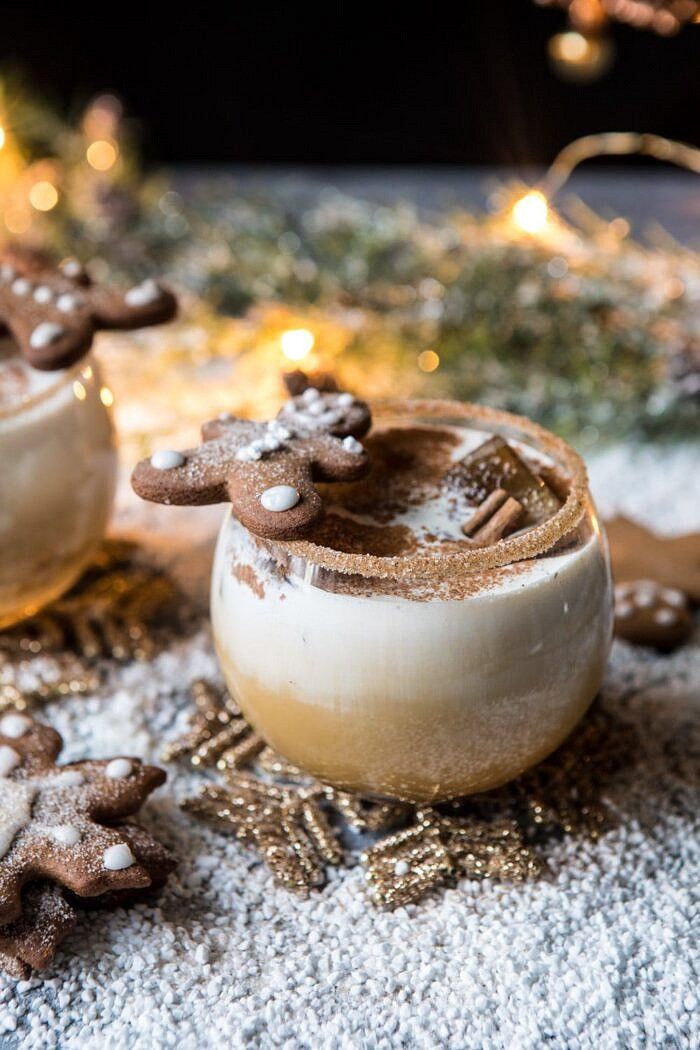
(602, 952)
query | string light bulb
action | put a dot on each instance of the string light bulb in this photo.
(580, 57)
(531, 212)
(102, 154)
(43, 195)
(297, 343)
(428, 361)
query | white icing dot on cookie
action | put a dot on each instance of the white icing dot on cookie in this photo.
(71, 268)
(7, 273)
(21, 286)
(115, 858)
(167, 459)
(142, 294)
(401, 867)
(673, 597)
(14, 726)
(665, 617)
(66, 834)
(623, 610)
(66, 303)
(280, 498)
(45, 333)
(351, 444)
(118, 767)
(43, 294)
(9, 759)
(69, 778)
(645, 598)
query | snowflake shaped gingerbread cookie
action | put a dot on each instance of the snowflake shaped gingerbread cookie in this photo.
(267, 470)
(53, 818)
(30, 942)
(53, 312)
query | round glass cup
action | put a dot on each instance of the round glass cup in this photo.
(421, 677)
(58, 469)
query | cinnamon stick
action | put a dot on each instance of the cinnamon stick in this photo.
(498, 515)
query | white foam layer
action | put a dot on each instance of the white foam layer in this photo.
(443, 695)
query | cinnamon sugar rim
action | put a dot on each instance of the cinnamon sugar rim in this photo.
(444, 565)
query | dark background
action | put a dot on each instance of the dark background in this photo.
(270, 83)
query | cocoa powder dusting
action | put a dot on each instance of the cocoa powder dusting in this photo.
(246, 575)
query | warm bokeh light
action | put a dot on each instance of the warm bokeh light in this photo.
(17, 220)
(101, 155)
(578, 57)
(79, 390)
(43, 196)
(297, 343)
(428, 361)
(530, 213)
(2, 137)
(106, 397)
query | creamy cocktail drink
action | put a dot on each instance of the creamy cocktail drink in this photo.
(389, 654)
(57, 478)
(421, 615)
(57, 450)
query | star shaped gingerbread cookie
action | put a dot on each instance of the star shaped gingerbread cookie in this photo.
(55, 820)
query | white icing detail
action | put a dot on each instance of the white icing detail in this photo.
(672, 596)
(247, 454)
(402, 867)
(644, 599)
(66, 303)
(115, 858)
(310, 395)
(66, 834)
(280, 498)
(9, 760)
(225, 417)
(345, 400)
(43, 294)
(21, 286)
(15, 810)
(279, 430)
(623, 611)
(46, 333)
(7, 273)
(118, 768)
(143, 294)
(167, 459)
(14, 726)
(665, 617)
(71, 778)
(351, 444)
(71, 268)
(316, 408)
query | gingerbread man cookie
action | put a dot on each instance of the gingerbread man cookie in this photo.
(648, 614)
(266, 470)
(53, 818)
(53, 312)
